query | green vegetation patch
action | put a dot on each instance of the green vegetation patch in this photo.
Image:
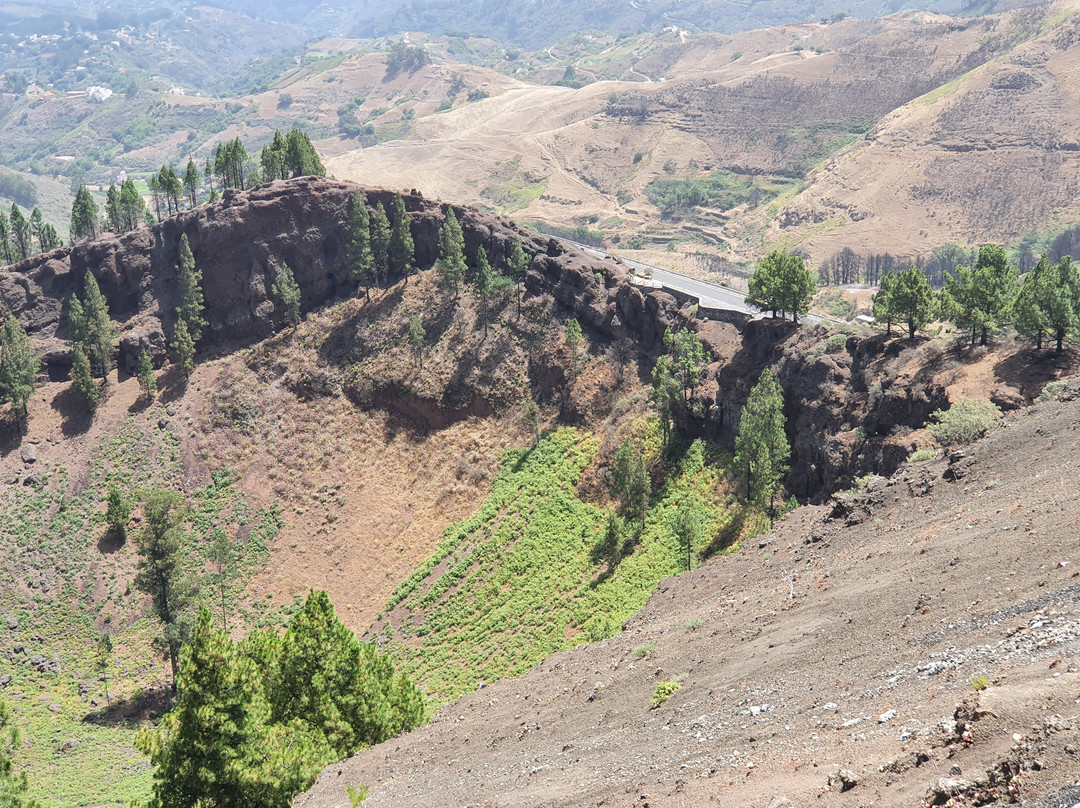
(66, 579)
(678, 196)
(536, 570)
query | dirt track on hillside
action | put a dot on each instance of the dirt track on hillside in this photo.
(843, 642)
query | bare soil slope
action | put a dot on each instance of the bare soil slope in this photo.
(892, 135)
(831, 660)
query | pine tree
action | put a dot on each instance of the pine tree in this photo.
(6, 255)
(19, 364)
(981, 299)
(690, 524)
(301, 159)
(189, 281)
(358, 252)
(132, 207)
(1062, 303)
(688, 359)
(782, 283)
(13, 787)
(573, 342)
(630, 482)
(415, 336)
(882, 301)
(117, 511)
(664, 394)
(37, 225)
(451, 253)
(913, 301)
(761, 447)
(145, 373)
(82, 380)
(91, 327)
(161, 575)
(400, 251)
(84, 215)
(491, 286)
(214, 749)
(183, 348)
(224, 558)
(112, 209)
(1029, 314)
(103, 660)
(288, 292)
(380, 243)
(191, 181)
(519, 265)
(344, 688)
(20, 234)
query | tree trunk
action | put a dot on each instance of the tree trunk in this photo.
(1060, 339)
(982, 336)
(1038, 341)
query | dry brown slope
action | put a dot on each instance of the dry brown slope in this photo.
(825, 648)
(989, 157)
(984, 160)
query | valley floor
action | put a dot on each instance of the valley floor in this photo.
(840, 656)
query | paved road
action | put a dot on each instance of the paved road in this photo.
(711, 295)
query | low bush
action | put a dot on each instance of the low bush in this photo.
(965, 421)
(663, 692)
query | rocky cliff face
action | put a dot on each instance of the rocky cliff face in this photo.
(241, 242)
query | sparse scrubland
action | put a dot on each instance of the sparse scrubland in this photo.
(294, 467)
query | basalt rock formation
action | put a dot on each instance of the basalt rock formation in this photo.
(241, 242)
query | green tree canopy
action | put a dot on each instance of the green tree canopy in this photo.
(84, 215)
(883, 301)
(415, 337)
(981, 299)
(761, 446)
(451, 261)
(345, 689)
(630, 482)
(287, 291)
(912, 302)
(183, 348)
(19, 364)
(358, 253)
(189, 281)
(216, 747)
(145, 374)
(782, 283)
(380, 243)
(191, 181)
(1048, 303)
(161, 574)
(82, 379)
(91, 326)
(401, 248)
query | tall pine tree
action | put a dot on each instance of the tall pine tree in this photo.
(451, 253)
(19, 364)
(761, 446)
(380, 244)
(358, 251)
(189, 280)
(401, 249)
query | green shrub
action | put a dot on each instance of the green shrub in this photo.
(965, 421)
(980, 682)
(643, 651)
(691, 623)
(1052, 390)
(663, 692)
(836, 343)
(921, 455)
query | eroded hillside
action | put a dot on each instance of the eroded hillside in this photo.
(910, 643)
